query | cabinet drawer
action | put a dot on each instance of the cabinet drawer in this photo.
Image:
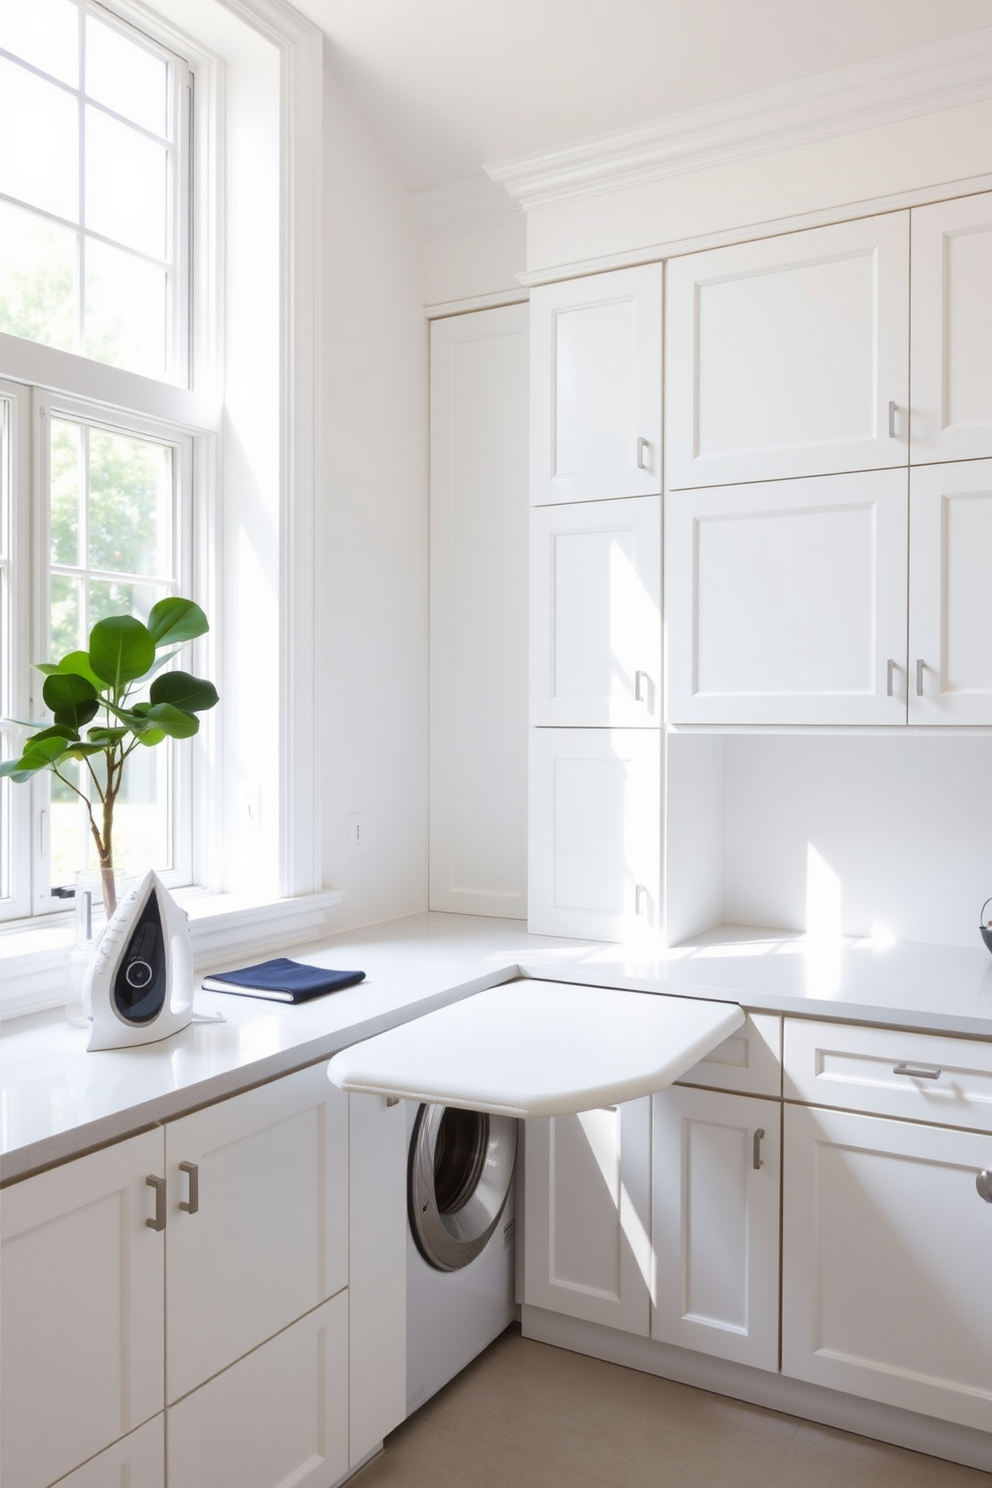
(917, 1076)
(749, 1062)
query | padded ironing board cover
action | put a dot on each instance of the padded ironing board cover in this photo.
(532, 1048)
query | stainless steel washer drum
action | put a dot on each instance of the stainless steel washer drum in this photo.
(461, 1168)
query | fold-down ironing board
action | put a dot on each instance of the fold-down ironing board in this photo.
(531, 1048)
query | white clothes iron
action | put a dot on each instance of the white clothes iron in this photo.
(138, 986)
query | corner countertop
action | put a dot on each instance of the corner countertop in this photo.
(58, 1101)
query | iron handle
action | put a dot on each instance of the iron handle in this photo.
(158, 1184)
(890, 673)
(640, 697)
(756, 1158)
(915, 1072)
(892, 420)
(919, 676)
(643, 445)
(984, 1185)
(192, 1205)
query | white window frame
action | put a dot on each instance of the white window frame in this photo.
(34, 962)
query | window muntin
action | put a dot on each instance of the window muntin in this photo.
(94, 203)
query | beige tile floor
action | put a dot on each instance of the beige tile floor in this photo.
(525, 1415)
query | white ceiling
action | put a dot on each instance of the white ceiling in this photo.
(446, 86)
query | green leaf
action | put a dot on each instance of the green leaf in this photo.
(72, 699)
(121, 650)
(81, 751)
(192, 694)
(175, 619)
(45, 666)
(106, 737)
(173, 721)
(159, 663)
(78, 663)
(151, 736)
(38, 755)
(56, 731)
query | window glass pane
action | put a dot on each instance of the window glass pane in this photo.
(125, 76)
(65, 619)
(125, 310)
(69, 837)
(126, 184)
(120, 597)
(44, 120)
(37, 278)
(141, 816)
(45, 33)
(65, 474)
(130, 505)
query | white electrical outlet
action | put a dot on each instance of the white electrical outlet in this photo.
(356, 834)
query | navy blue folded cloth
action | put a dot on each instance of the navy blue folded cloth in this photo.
(282, 980)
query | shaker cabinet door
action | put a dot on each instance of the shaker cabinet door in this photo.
(952, 330)
(596, 387)
(786, 601)
(267, 1238)
(595, 614)
(790, 356)
(81, 1290)
(950, 593)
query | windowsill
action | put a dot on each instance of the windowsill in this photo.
(221, 926)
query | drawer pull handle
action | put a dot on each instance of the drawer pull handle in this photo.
(890, 674)
(916, 1072)
(158, 1184)
(893, 410)
(984, 1185)
(642, 694)
(192, 1204)
(643, 446)
(756, 1158)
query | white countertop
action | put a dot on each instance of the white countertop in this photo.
(59, 1101)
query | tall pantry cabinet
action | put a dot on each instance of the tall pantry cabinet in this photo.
(596, 685)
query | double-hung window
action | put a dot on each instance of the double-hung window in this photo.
(96, 475)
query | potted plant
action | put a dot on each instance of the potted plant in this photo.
(100, 684)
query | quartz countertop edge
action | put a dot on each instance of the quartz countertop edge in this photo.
(60, 1102)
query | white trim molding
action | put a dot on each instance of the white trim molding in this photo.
(942, 75)
(444, 308)
(471, 205)
(748, 232)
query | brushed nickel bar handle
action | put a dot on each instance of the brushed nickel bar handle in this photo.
(192, 1206)
(919, 676)
(892, 420)
(756, 1158)
(643, 445)
(890, 673)
(916, 1072)
(158, 1184)
(638, 696)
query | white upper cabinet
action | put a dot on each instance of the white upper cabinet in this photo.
(786, 601)
(595, 614)
(596, 387)
(790, 356)
(950, 593)
(952, 330)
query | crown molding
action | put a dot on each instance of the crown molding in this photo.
(471, 205)
(945, 74)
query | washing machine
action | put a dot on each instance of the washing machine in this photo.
(460, 1240)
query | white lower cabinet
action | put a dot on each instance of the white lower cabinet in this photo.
(716, 1162)
(266, 1174)
(275, 1418)
(887, 1248)
(587, 1239)
(83, 1339)
(201, 1270)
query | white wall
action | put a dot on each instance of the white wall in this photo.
(372, 574)
(468, 265)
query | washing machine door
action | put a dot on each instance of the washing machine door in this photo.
(461, 1168)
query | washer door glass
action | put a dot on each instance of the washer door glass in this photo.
(461, 1168)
